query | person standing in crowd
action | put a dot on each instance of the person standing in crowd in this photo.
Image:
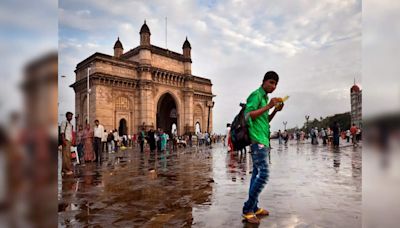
(125, 140)
(167, 137)
(98, 135)
(88, 146)
(280, 137)
(348, 136)
(80, 141)
(353, 132)
(358, 134)
(104, 141)
(336, 132)
(258, 118)
(174, 140)
(163, 140)
(129, 140)
(190, 139)
(207, 138)
(133, 142)
(157, 138)
(66, 136)
(312, 133)
(141, 138)
(302, 135)
(228, 129)
(116, 140)
(151, 140)
(285, 137)
(298, 135)
(110, 142)
(323, 136)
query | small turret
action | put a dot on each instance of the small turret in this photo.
(186, 49)
(118, 49)
(187, 64)
(145, 35)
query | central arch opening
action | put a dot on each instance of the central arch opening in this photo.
(167, 114)
(123, 128)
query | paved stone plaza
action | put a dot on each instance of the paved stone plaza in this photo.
(309, 186)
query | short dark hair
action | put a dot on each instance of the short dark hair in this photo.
(68, 113)
(96, 121)
(271, 75)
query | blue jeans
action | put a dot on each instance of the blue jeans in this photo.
(259, 177)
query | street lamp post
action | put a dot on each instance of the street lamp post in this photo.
(58, 104)
(88, 94)
(210, 105)
(284, 123)
(76, 122)
(307, 117)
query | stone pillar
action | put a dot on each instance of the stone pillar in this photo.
(211, 120)
(188, 106)
(146, 99)
(78, 104)
(187, 67)
(92, 105)
(145, 56)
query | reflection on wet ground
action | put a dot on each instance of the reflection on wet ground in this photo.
(309, 186)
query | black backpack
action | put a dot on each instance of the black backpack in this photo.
(239, 130)
(60, 141)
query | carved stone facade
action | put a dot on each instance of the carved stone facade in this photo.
(147, 86)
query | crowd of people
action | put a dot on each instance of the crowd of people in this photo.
(92, 142)
(328, 136)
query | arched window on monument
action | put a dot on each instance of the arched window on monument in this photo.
(122, 103)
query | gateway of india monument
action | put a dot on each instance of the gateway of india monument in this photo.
(147, 86)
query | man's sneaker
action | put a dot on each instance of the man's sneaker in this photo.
(251, 218)
(262, 212)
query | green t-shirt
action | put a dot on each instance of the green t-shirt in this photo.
(259, 127)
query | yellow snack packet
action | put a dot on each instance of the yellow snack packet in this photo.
(283, 100)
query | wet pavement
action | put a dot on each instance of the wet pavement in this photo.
(309, 186)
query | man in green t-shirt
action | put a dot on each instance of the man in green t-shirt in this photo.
(258, 117)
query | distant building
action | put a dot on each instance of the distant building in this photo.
(40, 91)
(356, 104)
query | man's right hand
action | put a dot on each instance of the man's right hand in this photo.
(274, 101)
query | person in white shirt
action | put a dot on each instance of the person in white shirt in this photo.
(116, 140)
(66, 135)
(348, 135)
(227, 136)
(98, 135)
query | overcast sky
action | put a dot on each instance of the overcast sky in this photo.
(28, 29)
(315, 47)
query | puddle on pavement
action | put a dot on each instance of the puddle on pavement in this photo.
(308, 186)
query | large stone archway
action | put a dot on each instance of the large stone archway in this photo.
(147, 86)
(167, 113)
